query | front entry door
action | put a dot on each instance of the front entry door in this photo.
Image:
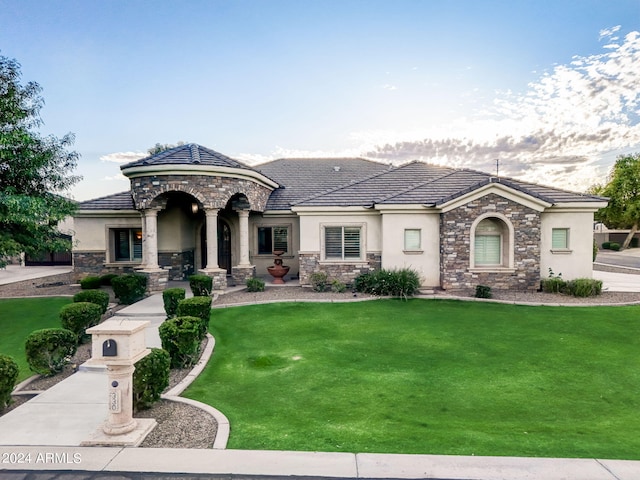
(224, 246)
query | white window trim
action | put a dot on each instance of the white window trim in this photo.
(509, 245)
(416, 251)
(363, 243)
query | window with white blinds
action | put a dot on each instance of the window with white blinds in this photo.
(559, 238)
(488, 250)
(342, 243)
(412, 239)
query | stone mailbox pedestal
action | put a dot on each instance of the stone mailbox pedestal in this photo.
(119, 344)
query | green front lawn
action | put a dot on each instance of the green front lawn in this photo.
(21, 316)
(428, 376)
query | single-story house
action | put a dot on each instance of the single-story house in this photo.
(191, 209)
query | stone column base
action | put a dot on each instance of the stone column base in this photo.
(219, 276)
(240, 274)
(157, 279)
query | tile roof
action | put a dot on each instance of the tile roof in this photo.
(301, 178)
(189, 154)
(117, 201)
(341, 182)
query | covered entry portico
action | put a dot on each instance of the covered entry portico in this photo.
(182, 200)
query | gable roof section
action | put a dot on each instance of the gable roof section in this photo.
(301, 178)
(419, 183)
(117, 201)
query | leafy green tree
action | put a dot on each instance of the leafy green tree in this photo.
(34, 170)
(161, 147)
(623, 190)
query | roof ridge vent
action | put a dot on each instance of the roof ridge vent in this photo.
(195, 153)
(336, 168)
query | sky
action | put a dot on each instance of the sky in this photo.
(544, 91)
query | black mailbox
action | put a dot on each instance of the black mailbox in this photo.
(109, 348)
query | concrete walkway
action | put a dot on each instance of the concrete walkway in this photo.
(46, 432)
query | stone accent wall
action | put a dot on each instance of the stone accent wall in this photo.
(181, 264)
(455, 246)
(212, 192)
(344, 272)
(219, 277)
(240, 275)
(94, 264)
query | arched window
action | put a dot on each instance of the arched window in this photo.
(492, 243)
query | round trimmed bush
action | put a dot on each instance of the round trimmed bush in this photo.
(171, 297)
(90, 283)
(196, 307)
(49, 350)
(180, 337)
(8, 376)
(201, 285)
(106, 279)
(99, 297)
(129, 288)
(79, 316)
(150, 378)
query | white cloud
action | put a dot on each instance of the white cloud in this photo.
(609, 32)
(387, 86)
(556, 132)
(123, 157)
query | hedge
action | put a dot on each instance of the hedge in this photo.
(90, 283)
(199, 307)
(171, 297)
(150, 378)
(99, 297)
(201, 285)
(79, 316)
(129, 288)
(180, 337)
(8, 375)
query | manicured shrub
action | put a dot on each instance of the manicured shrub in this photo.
(8, 376)
(201, 285)
(584, 287)
(50, 349)
(318, 281)
(79, 316)
(170, 298)
(634, 242)
(606, 245)
(397, 283)
(99, 297)
(483, 291)
(90, 283)
(180, 337)
(150, 378)
(199, 307)
(337, 286)
(614, 246)
(129, 288)
(255, 285)
(106, 278)
(595, 250)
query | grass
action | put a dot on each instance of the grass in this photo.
(428, 376)
(21, 316)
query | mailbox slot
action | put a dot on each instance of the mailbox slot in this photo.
(109, 348)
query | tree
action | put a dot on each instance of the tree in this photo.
(623, 190)
(34, 170)
(161, 147)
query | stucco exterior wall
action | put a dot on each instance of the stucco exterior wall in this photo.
(577, 261)
(425, 261)
(290, 258)
(91, 233)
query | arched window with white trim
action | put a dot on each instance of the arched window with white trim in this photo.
(492, 243)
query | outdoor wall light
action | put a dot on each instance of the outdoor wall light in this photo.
(194, 208)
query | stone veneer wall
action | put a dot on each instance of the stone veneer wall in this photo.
(181, 263)
(212, 192)
(93, 264)
(343, 271)
(455, 243)
(240, 275)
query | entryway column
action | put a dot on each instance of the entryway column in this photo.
(212, 238)
(150, 239)
(244, 238)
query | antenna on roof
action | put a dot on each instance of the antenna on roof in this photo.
(497, 168)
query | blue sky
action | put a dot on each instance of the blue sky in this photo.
(551, 88)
